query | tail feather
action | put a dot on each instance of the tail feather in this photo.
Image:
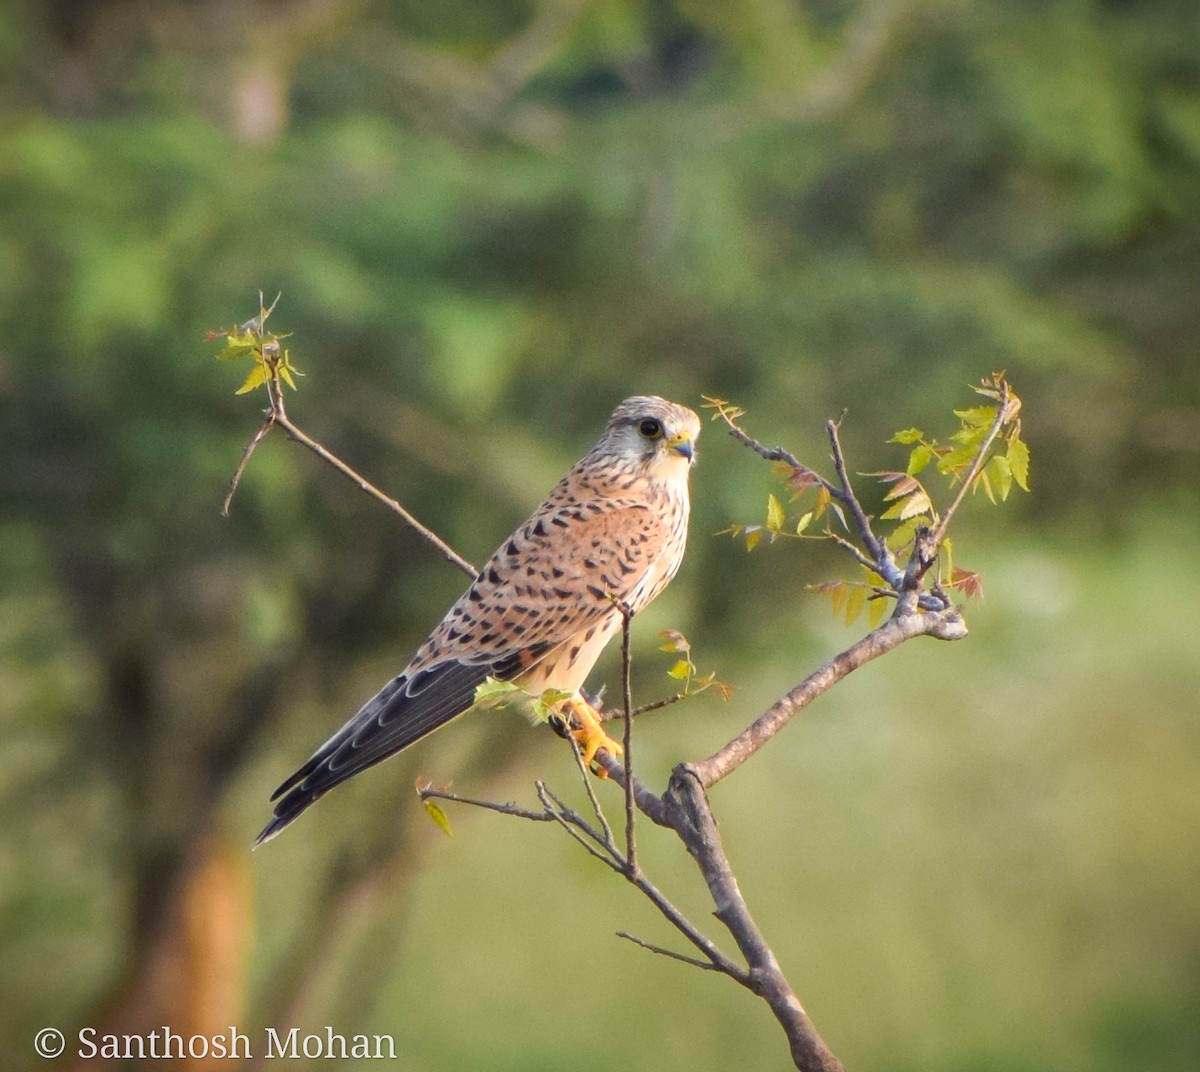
(406, 709)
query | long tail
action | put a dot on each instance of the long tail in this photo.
(401, 713)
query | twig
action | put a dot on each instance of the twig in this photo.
(570, 820)
(608, 841)
(427, 534)
(490, 805)
(631, 863)
(885, 562)
(1003, 412)
(946, 624)
(257, 438)
(277, 415)
(695, 962)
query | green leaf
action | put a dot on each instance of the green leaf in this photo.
(1001, 475)
(856, 601)
(495, 693)
(435, 811)
(902, 535)
(1018, 461)
(775, 514)
(877, 610)
(911, 506)
(978, 416)
(921, 456)
(258, 376)
(753, 535)
(681, 670)
(804, 522)
(908, 435)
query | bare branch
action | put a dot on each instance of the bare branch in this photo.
(688, 807)
(277, 416)
(572, 822)
(946, 624)
(426, 533)
(429, 793)
(874, 545)
(695, 962)
(257, 438)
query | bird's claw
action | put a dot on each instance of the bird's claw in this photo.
(589, 734)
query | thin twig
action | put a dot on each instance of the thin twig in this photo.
(569, 820)
(427, 534)
(643, 709)
(998, 422)
(631, 863)
(877, 548)
(277, 415)
(695, 962)
(608, 841)
(257, 438)
(490, 805)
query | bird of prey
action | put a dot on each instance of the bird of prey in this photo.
(541, 611)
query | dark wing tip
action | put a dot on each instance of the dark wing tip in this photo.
(401, 713)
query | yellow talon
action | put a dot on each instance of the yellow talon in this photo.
(590, 735)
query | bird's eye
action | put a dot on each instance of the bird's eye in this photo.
(651, 428)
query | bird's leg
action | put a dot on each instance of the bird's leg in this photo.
(589, 734)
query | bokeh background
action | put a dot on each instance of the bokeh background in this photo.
(490, 222)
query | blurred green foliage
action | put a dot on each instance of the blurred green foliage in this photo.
(491, 222)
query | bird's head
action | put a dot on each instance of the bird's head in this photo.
(652, 434)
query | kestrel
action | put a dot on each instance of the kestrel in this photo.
(541, 611)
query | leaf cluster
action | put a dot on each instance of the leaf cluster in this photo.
(251, 341)
(986, 452)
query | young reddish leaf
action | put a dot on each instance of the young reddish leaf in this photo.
(967, 582)
(674, 640)
(902, 484)
(723, 689)
(834, 591)
(801, 479)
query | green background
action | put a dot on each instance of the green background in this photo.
(490, 222)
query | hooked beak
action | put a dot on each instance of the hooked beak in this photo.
(681, 444)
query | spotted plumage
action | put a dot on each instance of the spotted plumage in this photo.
(544, 606)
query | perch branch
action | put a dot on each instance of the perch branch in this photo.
(276, 416)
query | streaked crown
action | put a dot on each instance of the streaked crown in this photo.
(651, 431)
